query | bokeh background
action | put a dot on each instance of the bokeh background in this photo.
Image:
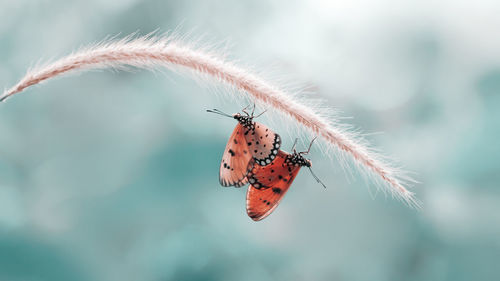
(114, 175)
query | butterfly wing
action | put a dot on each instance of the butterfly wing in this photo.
(263, 143)
(268, 185)
(235, 160)
(262, 177)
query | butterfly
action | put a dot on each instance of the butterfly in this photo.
(250, 142)
(268, 184)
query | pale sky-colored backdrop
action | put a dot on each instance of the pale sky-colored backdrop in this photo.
(114, 175)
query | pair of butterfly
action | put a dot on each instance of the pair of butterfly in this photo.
(253, 155)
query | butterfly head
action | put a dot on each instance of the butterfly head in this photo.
(297, 159)
(245, 120)
(306, 162)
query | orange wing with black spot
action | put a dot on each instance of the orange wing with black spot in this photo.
(263, 143)
(234, 166)
(268, 185)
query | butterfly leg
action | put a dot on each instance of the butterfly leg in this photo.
(310, 145)
(261, 113)
(244, 110)
(294, 144)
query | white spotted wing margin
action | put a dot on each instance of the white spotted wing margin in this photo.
(263, 143)
(234, 165)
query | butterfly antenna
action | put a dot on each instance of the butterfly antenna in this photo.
(216, 111)
(253, 110)
(316, 178)
(294, 144)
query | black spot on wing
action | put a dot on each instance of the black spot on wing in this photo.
(253, 215)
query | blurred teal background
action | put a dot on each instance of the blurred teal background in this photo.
(114, 175)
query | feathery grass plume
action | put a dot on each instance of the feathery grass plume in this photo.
(163, 51)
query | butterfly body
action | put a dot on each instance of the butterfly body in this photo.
(268, 184)
(245, 121)
(250, 142)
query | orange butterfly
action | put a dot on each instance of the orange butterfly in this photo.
(250, 142)
(269, 184)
